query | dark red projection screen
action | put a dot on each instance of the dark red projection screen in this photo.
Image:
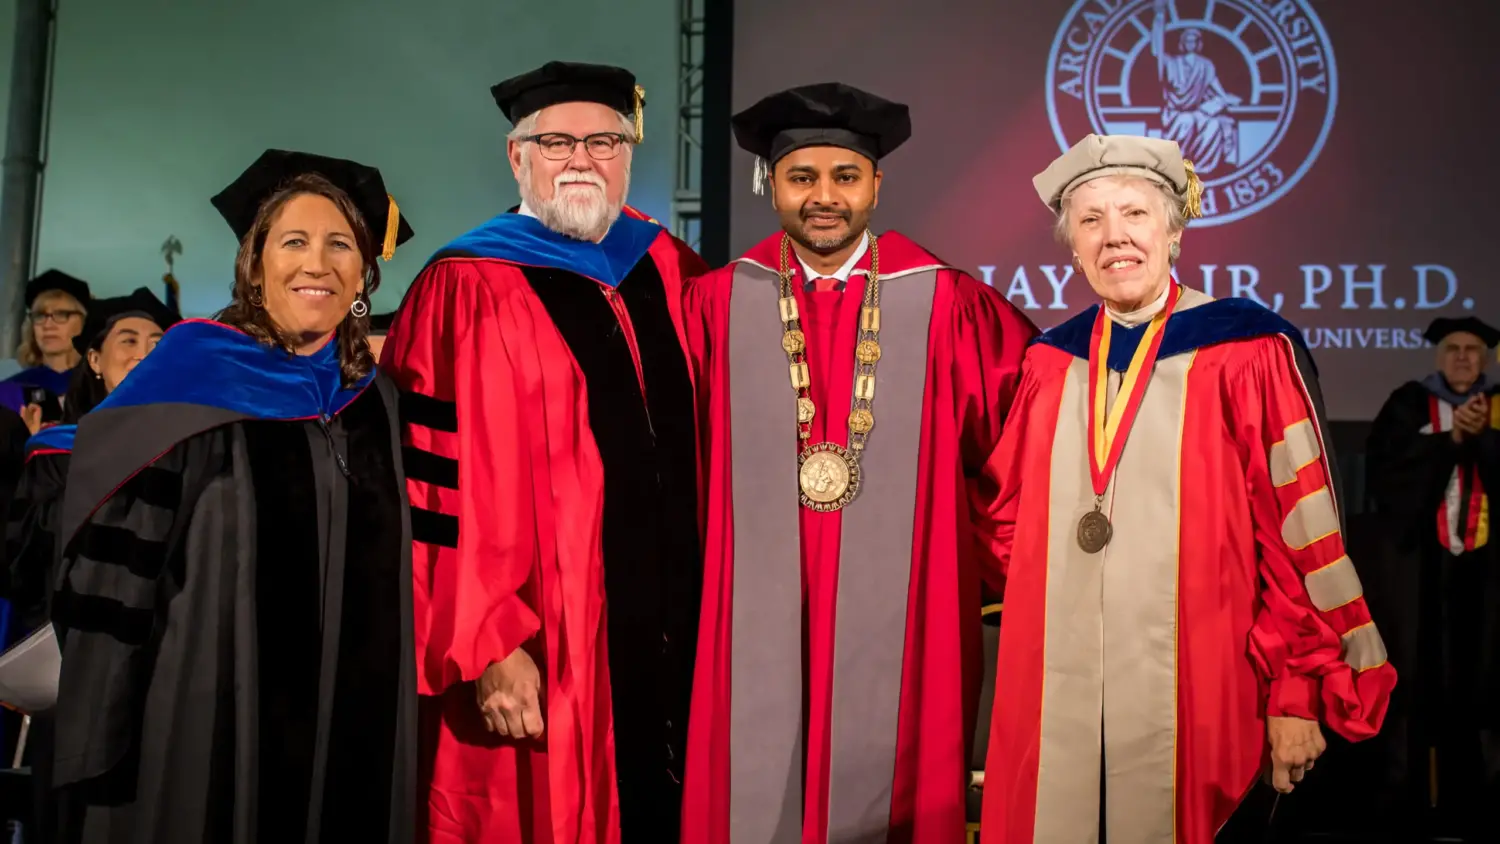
(1345, 146)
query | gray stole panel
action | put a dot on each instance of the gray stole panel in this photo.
(765, 711)
(766, 755)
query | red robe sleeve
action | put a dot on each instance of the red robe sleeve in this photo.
(990, 337)
(1313, 637)
(467, 467)
(997, 491)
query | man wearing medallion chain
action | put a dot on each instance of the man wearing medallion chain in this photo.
(839, 649)
(1181, 613)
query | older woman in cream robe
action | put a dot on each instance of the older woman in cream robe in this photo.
(1180, 612)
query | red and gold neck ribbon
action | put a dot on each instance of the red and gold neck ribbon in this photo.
(1107, 436)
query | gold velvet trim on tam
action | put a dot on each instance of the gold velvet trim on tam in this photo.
(1194, 191)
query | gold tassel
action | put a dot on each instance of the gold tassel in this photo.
(392, 226)
(640, 114)
(1194, 191)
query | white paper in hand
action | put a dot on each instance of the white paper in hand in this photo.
(29, 671)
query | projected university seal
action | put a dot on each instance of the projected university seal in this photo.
(1247, 88)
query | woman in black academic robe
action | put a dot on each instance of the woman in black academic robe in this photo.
(234, 601)
(118, 334)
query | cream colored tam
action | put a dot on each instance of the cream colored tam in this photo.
(1159, 160)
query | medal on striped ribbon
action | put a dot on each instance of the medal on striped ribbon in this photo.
(1108, 432)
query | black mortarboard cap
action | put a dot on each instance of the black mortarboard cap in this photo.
(241, 201)
(571, 82)
(1443, 326)
(58, 280)
(825, 114)
(104, 313)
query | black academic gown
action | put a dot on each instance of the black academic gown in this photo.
(234, 604)
(1439, 611)
(13, 436)
(31, 528)
(31, 557)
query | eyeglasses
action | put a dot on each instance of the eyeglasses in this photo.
(59, 317)
(558, 146)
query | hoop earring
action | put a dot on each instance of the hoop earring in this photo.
(1174, 251)
(361, 308)
(257, 298)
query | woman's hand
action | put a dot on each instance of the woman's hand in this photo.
(1296, 744)
(31, 414)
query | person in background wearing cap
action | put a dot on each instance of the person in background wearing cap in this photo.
(117, 334)
(552, 475)
(1180, 612)
(56, 306)
(234, 594)
(1432, 458)
(902, 373)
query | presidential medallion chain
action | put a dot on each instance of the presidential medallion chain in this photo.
(828, 474)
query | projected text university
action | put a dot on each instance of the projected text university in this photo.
(1342, 287)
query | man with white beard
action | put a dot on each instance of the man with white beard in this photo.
(549, 437)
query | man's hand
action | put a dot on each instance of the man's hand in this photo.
(1470, 419)
(509, 696)
(1295, 746)
(31, 414)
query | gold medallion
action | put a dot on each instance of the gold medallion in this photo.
(1094, 532)
(805, 410)
(829, 477)
(793, 342)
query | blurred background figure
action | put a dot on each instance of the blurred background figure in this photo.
(56, 307)
(118, 333)
(1432, 461)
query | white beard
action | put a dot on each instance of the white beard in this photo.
(579, 213)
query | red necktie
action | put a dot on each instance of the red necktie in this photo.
(825, 284)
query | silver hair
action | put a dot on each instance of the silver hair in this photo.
(527, 127)
(1174, 204)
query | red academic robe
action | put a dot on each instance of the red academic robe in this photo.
(1225, 595)
(507, 487)
(973, 347)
